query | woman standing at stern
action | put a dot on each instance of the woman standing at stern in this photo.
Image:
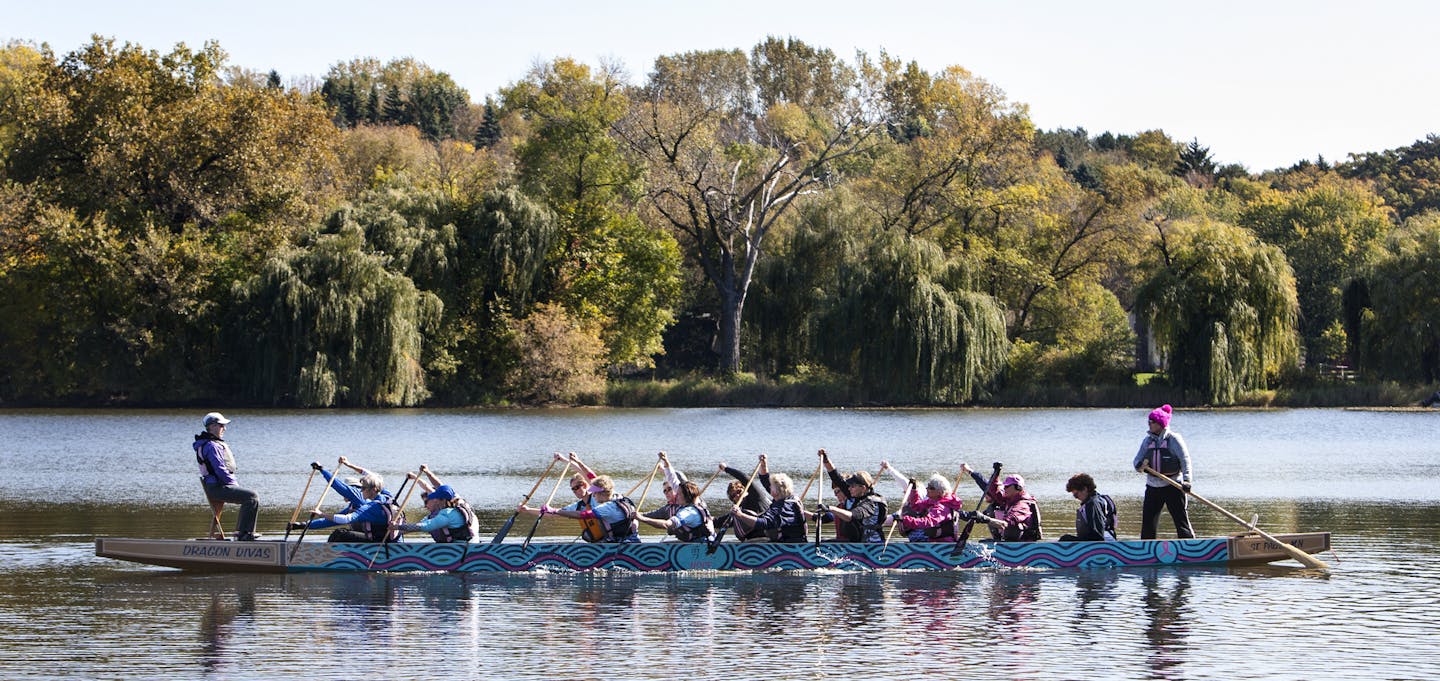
(1164, 450)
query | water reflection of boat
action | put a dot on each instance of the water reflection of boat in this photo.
(275, 556)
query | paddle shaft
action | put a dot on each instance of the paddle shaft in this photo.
(903, 498)
(548, 499)
(965, 535)
(1304, 558)
(646, 492)
(819, 500)
(399, 511)
(315, 511)
(296, 515)
(714, 475)
(733, 520)
(638, 483)
(505, 529)
(813, 477)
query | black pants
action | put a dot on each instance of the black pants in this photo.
(345, 536)
(248, 501)
(1165, 498)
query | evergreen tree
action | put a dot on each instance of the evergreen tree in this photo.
(488, 134)
(1195, 165)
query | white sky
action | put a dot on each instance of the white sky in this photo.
(1261, 83)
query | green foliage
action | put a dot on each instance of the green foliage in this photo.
(1223, 306)
(1081, 337)
(790, 71)
(161, 140)
(1408, 178)
(1195, 165)
(1401, 327)
(113, 316)
(897, 325)
(609, 269)
(328, 325)
(489, 132)
(1327, 229)
(401, 92)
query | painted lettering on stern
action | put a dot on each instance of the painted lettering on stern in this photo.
(224, 551)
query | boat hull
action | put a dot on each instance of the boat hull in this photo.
(274, 556)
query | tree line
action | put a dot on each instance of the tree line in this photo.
(174, 228)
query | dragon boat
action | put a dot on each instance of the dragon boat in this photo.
(669, 556)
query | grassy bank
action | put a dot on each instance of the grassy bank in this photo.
(746, 390)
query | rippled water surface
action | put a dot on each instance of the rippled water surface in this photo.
(1371, 478)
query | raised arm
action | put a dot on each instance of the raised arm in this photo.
(575, 459)
(434, 481)
(671, 477)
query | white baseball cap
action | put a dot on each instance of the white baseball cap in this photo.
(215, 417)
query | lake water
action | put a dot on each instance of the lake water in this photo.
(1370, 477)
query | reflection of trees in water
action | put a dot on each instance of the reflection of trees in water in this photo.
(1166, 600)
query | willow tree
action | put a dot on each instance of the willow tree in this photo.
(902, 324)
(1400, 329)
(724, 165)
(327, 324)
(1223, 306)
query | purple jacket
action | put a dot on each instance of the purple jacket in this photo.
(217, 464)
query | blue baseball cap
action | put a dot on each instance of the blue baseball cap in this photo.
(443, 493)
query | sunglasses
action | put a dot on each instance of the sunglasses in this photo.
(577, 486)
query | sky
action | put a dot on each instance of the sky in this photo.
(1261, 83)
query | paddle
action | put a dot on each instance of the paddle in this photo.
(315, 511)
(1304, 558)
(813, 477)
(553, 490)
(296, 515)
(715, 543)
(819, 501)
(400, 512)
(505, 529)
(714, 475)
(646, 492)
(638, 483)
(959, 548)
(904, 496)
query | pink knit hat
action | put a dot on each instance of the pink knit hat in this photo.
(1161, 416)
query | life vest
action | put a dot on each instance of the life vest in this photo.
(1030, 531)
(1112, 513)
(791, 521)
(945, 529)
(206, 469)
(625, 529)
(1162, 458)
(702, 532)
(591, 529)
(867, 529)
(378, 531)
(462, 534)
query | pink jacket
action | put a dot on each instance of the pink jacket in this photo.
(933, 512)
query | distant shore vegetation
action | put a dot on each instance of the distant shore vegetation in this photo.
(769, 226)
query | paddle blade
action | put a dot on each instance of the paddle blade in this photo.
(1304, 558)
(528, 537)
(505, 529)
